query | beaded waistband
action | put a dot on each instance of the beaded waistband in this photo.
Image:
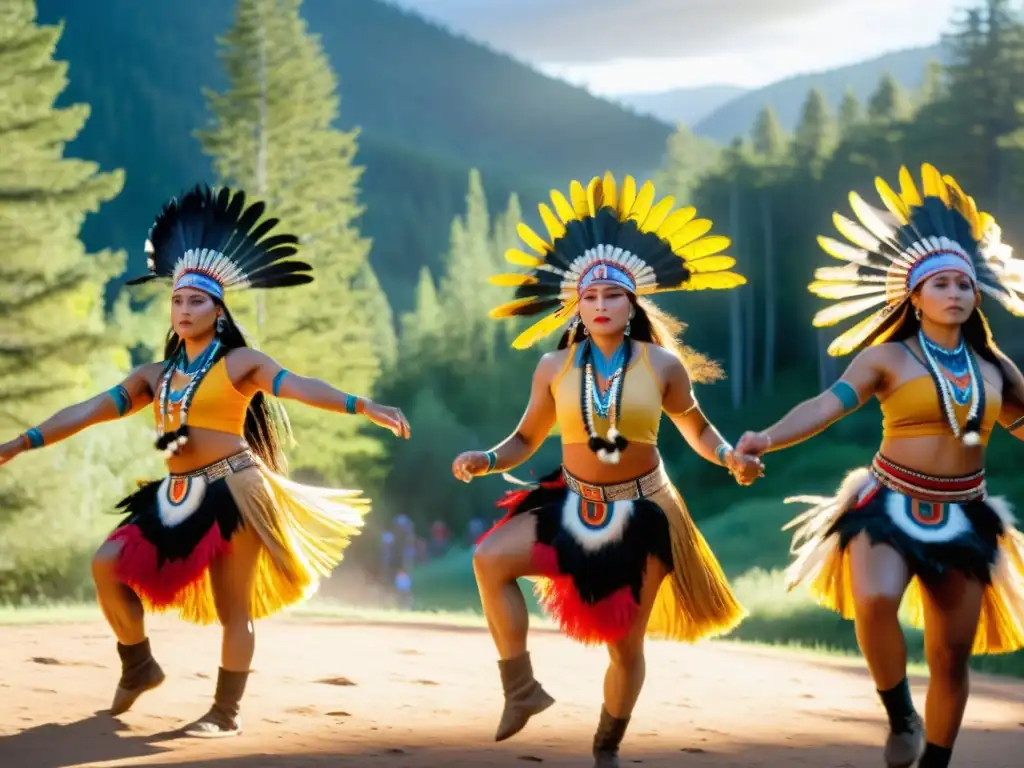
(928, 487)
(222, 468)
(641, 487)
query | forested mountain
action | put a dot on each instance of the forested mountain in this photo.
(429, 107)
(786, 97)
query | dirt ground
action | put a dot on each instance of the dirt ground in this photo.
(381, 696)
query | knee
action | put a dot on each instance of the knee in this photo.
(486, 561)
(627, 654)
(873, 609)
(949, 661)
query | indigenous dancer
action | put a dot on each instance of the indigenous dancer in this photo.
(224, 536)
(920, 516)
(603, 530)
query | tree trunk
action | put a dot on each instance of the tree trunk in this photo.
(736, 306)
(768, 385)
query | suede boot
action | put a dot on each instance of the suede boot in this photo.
(139, 673)
(524, 696)
(223, 719)
(610, 731)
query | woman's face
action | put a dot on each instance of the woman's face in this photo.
(605, 309)
(947, 298)
(194, 313)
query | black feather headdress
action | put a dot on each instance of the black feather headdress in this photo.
(608, 231)
(215, 243)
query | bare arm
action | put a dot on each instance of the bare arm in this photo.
(124, 399)
(861, 380)
(535, 425)
(680, 405)
(537, 421)
(1011, 416)
(258, 370)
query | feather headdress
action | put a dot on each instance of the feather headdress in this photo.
(610, 233)
(212, 242)
(890, 253)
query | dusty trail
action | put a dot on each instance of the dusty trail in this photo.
(381, 696)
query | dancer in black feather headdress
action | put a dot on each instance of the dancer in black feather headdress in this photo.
(919, 521)
(224, 537)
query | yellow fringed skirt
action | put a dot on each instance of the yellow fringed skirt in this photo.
(176, 528)
(936, 524)
(593, 543)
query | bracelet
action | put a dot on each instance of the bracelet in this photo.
(492, 459)
(768, 438)
(276, 386)
(33, 439)
(351, 402)
(720, 451)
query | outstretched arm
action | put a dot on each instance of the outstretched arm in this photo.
(262, 372)
(533, 428)
(859, 382)
(1011, 416)
(126, 398)
(680, 405)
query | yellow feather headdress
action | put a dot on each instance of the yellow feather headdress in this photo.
(618, 229)
(891, 252)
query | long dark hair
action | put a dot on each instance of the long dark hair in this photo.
(656, 326)
(262, 430)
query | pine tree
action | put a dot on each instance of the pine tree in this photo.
(272, 134)
(850, 114)
(814, 138)
(55, 349)
(767, 138)
(889, 102)
(688, 158)
(463, 289)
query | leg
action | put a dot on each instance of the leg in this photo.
(123, 611)
(951, 610)
(232, 577)
(625, 676)
(499, 560)
(880, 577)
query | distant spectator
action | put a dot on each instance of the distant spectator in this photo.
(403, 587)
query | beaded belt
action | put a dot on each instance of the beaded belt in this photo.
(641, 487)
(226, 466)
(927, 487)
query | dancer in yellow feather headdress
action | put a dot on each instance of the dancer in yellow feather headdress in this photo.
(603, 530)
(920, 516)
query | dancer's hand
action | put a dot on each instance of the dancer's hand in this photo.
(746, 469)
(392, 419)
(753, 443)
(10, 449)
(470, 464)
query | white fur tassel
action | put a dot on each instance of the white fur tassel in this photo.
(972, 438)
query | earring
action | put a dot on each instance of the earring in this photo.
(917, 313)
(221, 324)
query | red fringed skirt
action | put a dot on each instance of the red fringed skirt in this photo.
(173, 530)
(591, 549)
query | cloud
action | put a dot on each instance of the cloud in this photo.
(589, 31)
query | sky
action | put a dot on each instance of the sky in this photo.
(643, 46)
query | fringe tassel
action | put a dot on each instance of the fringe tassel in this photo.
(695, 601)
(819, 562)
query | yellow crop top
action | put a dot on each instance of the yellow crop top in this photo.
(641, 403)
(216, 405)
(914, 410)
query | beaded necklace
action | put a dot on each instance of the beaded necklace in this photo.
(958, 380)
(608, 403)
(172, 442)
